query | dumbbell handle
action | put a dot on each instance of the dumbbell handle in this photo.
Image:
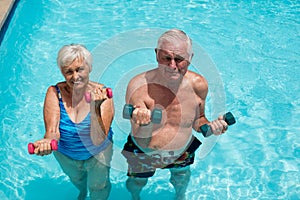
(53, 145)
(229, 119)
(156, 114)
(109, 94)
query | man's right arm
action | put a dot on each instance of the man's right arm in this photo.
(137, 95)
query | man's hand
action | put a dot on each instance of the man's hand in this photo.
(218, 126)
(141, 116)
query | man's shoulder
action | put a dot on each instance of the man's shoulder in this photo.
(195, 77)
(137, 77)
(143, 77)
(198, 81)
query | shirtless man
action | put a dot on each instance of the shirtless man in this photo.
(180, 94)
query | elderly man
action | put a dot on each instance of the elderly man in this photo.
(180, 94)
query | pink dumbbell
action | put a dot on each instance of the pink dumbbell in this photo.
(108, 92)
(53, 145)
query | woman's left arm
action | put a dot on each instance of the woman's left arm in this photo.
(102, 114)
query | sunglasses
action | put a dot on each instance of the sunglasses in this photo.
(166, 56)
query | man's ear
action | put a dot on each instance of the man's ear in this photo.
(191, 57)
(156, 51)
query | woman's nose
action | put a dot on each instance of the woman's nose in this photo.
(75, 75)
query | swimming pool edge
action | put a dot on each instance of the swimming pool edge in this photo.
(7, 8)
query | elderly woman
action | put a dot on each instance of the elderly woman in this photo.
(78, 113)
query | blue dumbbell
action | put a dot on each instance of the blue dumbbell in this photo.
(156, 114)
(229, 119)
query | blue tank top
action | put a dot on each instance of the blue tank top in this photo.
(75, 141)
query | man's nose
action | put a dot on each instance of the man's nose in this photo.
(172, 63)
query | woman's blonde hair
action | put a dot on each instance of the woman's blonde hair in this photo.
(68, 53)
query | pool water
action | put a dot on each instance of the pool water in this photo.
(248, 51)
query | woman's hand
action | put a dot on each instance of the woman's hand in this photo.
(97, 96)
(42, 147)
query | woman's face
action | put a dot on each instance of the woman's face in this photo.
(76, 74)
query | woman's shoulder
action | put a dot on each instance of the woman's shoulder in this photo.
(94, 84)
(60, 84)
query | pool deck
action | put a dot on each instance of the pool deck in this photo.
(5, 8)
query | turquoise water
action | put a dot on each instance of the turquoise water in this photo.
(249, 52)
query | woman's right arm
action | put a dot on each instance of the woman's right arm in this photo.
(51, 121)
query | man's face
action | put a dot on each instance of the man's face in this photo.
(173, 60)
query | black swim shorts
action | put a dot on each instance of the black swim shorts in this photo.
(144, 166)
